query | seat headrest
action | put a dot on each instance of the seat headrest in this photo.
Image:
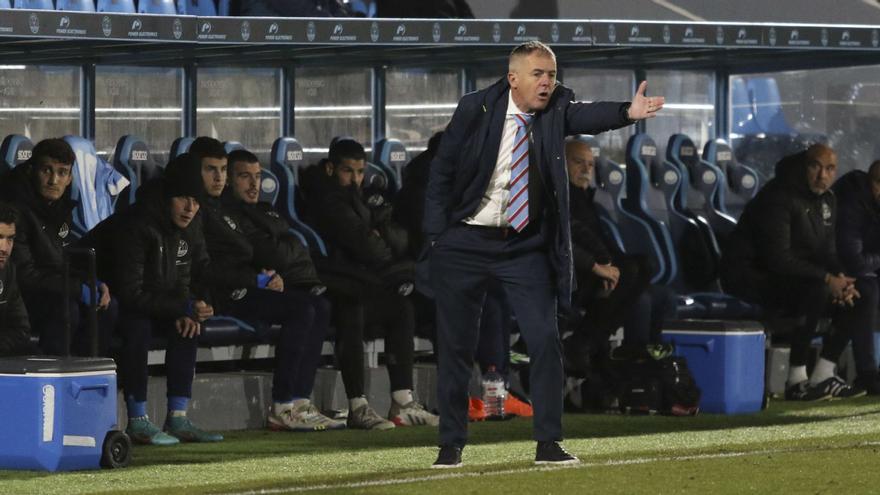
(180, 146)
(288, 152)
(231, 146)
(391, 152)
(132, 151)
(15, 150)
(683, 149)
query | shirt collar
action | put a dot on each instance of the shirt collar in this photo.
(512, 109)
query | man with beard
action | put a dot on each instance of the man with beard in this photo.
(14, 326)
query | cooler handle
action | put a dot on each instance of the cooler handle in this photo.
(77, 388)
(708, 346)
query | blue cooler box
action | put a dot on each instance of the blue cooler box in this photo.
(726, 359)
(58, 414)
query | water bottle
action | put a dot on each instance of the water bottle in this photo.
(494, 393)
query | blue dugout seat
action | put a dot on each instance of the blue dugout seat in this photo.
(117, 6)
(5, 4)
(196, 7)
(15, 150)
(131, 160)
(34, 4)
(76, 5)
(392, 155)
(180, 146)
(741, 183)
(157, 7)
(285, 161)
(224, 7)
(701, 182)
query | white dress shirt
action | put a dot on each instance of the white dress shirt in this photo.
(491, 212)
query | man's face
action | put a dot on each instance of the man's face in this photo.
(580, 163)
(7, 239)
(214, 175)
(183, 210)
(821, 172)
(349, 173)
(53, 178)
(246, 181)
(532, 79)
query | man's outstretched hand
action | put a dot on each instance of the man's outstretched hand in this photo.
(645, 107)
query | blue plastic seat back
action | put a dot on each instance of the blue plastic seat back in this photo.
(741, 182)
(118, 6)
(392, 154)
(633, 234)
(180, 146)
(15, 150)
(224, 8)
(75, 5)
(701, 182)
(34, 4)
(648, 200)
(196, 7)
(285, 162)
(268, 187)
(5, 4)
(157, 7)
(231, 146)
(131, 160)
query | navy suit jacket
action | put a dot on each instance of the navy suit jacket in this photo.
(465, 160)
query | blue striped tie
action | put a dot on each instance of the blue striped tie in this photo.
(517, 212)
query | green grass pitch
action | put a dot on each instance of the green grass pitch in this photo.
(831, 447)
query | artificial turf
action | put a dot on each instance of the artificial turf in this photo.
(790, 448)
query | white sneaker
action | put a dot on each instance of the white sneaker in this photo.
(365, 418)
(305, 418)
(412, 414)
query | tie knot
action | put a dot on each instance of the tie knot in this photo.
(523, 119)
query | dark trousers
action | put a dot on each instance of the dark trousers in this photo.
(860, 323)
(463, 262)
(493, 347)
(379, 313)
(180, 356)
(47, 320)
(304, 319)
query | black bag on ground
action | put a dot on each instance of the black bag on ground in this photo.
(652, 384)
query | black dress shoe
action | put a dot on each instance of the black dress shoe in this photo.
(449, 457)
(553, 453)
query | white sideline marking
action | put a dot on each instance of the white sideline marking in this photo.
(536, 469)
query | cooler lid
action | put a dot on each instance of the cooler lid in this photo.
(713, 326)
(29, 365)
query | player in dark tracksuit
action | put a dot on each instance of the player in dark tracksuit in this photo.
(151, 254)
(14, 325)
(40, 190)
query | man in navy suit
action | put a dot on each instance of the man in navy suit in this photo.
(497, 209)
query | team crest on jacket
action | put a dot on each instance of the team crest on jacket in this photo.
(238, 294)
(826, 214)
(229, 222)
(63, 230)
(272, 214)
(2, 288)
(182, 248)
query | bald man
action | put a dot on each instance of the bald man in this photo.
(782, 255)
(614, 288)
(858, 246)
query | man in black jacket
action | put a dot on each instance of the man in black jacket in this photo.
(40, 189)
(256, 279)
(782, 255)
(497, 208)
(858, 246)
(14, 325)
(614, 289)
(158, 267)
(369, 276)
